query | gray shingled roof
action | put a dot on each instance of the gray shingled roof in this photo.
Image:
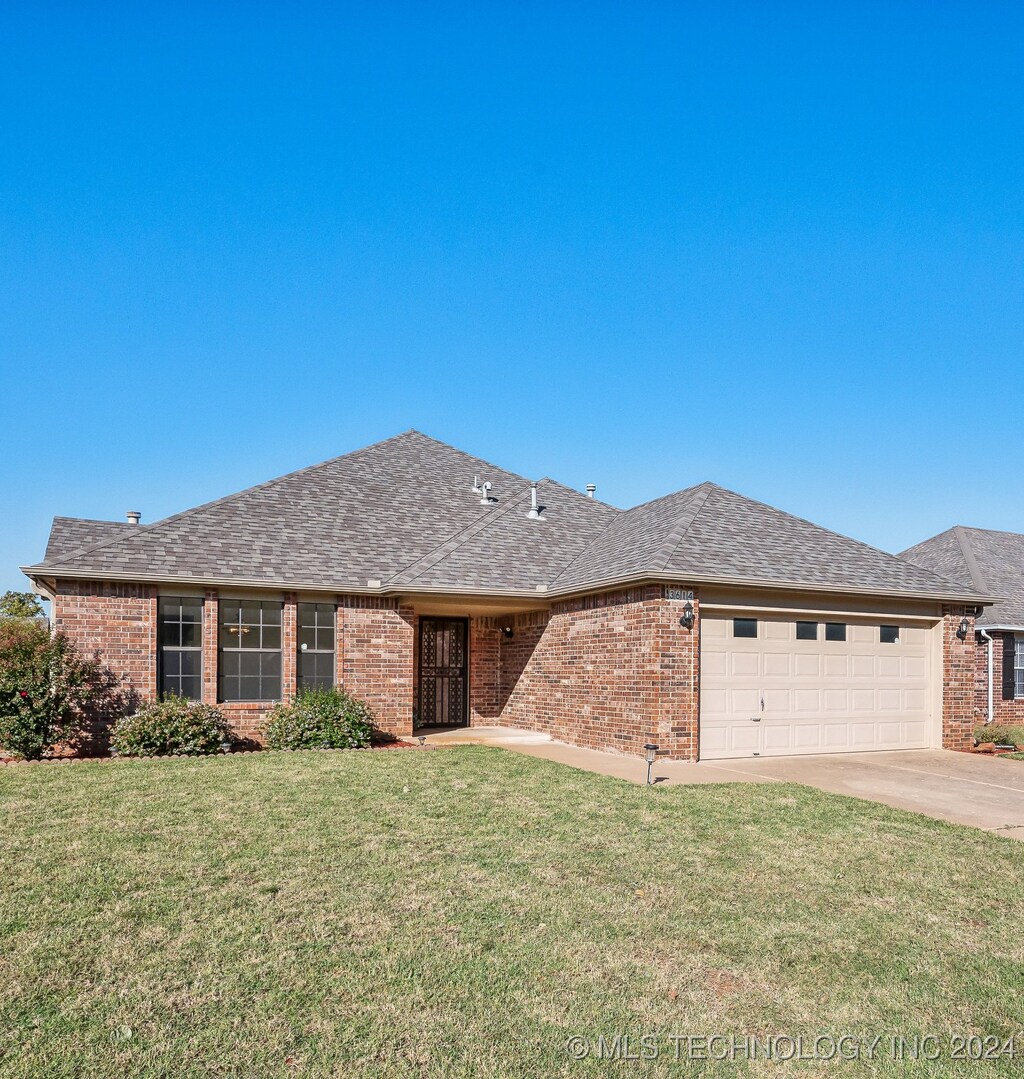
(71, 534)
(990, 562)
(402, 513)
(708, 532)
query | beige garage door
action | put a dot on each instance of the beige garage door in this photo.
(770, 688)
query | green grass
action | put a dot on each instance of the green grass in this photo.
(463, 912)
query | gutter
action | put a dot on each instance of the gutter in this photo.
(541, 591)
(991, 698)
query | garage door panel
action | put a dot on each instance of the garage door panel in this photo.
(778, 665)
(806, 666)
(744, 664)
(818, 696)
(862, 666)
(837, 666)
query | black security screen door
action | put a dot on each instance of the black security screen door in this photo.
(442, 672)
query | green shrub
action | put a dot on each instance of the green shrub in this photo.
(170, 725)
(1003, 733)
(320, 719)
(50, 694)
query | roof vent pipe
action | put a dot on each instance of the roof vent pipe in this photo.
(534, 514)
(133, 517)
(485, 493)
(591, 490)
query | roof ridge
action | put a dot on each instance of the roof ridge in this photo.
(973, 568)
(686, 519)
(620, 516)
(453, 542)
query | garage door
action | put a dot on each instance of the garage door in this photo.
(777, 686)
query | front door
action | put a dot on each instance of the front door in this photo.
(442, 672)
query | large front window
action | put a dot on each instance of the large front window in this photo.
(1018, 666)
(316, 645)
(250, 650)
(180, 666)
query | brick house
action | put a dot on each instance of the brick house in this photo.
(990, 562)
(446, 591)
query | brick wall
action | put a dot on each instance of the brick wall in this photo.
(376, 648)
(959, 669)
(485, 703)
(116, 620)
(608, 671)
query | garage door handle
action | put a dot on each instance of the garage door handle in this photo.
(755, 719)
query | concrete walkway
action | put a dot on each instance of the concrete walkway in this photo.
(964, 788)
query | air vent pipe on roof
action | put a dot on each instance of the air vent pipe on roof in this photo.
(534, 514)
(133, 517)
(591, 490)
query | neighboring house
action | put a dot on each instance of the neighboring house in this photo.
(444, 591)
(991, 562)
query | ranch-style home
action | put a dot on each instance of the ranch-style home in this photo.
(446, 591)
(991, 562)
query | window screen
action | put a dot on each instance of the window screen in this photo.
(180, 658)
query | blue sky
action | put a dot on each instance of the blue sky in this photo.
(777, 246)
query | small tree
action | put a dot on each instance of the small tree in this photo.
(20, 605)
(50, 694)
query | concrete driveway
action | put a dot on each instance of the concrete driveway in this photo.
(965, 788)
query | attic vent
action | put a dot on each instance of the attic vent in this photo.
(133, 517)
(591, 490)
(483, 490)
(535, 513)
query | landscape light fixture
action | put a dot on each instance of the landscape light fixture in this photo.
(961, 630)
(421, 738)
(650, 749)
(686, 620)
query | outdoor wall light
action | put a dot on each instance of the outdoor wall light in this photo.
(961, 630)
(650, 749)
(506, 631)
(686, 619)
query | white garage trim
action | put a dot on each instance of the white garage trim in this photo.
(775, 695)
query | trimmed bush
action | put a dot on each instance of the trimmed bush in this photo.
(320, 719)
(50, 694)
(1003, 733)
(170, 725)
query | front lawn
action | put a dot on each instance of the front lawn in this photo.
(466, 911)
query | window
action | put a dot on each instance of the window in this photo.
(807, 631)
(835, 631)
(316, 645)
(744, 627)
(889, 634)
(180, 660)
(250, 650)
(1018, 666)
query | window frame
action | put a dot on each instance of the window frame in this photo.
(241, 628)
(830, 626)
(302, 649)
(881, 634)
(163, 649)
(744, 636)
(1018, 666)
